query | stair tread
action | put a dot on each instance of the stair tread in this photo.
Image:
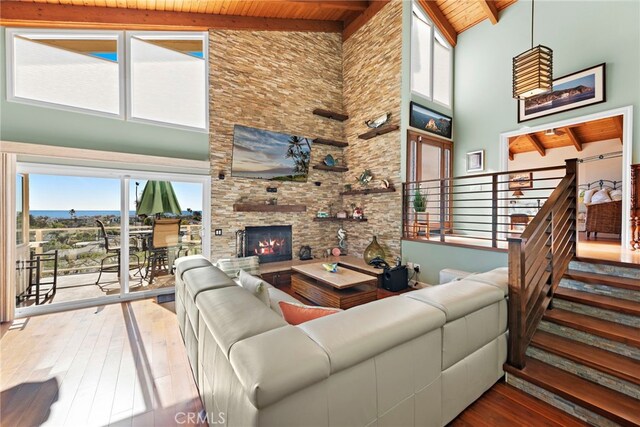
(601, 301)
(601, 400)
(610, 330)
(603, 279)
(605, 361)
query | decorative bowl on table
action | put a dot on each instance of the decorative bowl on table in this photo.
(331, 267)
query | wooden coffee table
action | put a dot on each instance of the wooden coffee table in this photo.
(344, 289)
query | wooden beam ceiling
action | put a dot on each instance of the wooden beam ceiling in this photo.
(441, 21)
(340, 5)
(535, 142)
(25, 14)
(617, 121)
(490, 10)
(575, 140)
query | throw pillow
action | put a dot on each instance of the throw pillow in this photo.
(615, 195)
(588, 195)
(296, 314)
(232, 266)
(601, 196)
(256, 286)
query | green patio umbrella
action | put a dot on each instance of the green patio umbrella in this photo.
(158, 197)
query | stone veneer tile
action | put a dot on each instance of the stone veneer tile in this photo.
(611, 316)
(610, 270)
(585, 372)
(609, 291)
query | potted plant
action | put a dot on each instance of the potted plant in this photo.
(422, 218)
(419, 202)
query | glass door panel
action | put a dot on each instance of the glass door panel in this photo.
(72, 231)
(165, 221)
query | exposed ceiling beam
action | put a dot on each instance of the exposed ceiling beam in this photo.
(575, 140)
(26, 14)
(511, 155)
(374, 7)
(441, 21)
(339, 5)
(490, 10)
(533, 140)
(617, 121)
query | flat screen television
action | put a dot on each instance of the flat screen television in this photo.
(263, 154)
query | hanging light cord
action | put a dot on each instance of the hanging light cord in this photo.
(532, 2)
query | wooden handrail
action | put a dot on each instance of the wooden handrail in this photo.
(537, 261)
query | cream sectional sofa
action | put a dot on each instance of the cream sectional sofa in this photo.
(413, 360)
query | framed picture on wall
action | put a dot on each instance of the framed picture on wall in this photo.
(475, 161)
(520, 180)
(576, 90)
(431, 121)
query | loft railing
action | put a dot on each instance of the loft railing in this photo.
(478, 210)
(537, 261)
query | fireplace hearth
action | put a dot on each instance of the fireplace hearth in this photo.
(270, 243)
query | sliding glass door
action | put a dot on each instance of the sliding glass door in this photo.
(89, 235)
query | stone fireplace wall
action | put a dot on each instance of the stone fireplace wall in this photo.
(372, 78)
(274, 80)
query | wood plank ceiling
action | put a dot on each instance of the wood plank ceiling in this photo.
(346, 16)
(575, 135)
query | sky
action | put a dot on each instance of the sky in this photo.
(257, 150)
(54, 192)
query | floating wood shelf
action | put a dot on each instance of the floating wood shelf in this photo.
(378, 131)
(262, 207)
(333, 218)
(368, 191)
(324, 141)
(330, 114)
(331, 168)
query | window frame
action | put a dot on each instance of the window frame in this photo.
(418, 13)
(168, 35)
(124, 67)
(10, 68)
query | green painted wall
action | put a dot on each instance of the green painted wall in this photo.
(581, 34)
(27, 123)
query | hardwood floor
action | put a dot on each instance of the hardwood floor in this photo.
(504, 405)
(125, 365)
(120, 364)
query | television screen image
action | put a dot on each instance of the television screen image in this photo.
(263, 154)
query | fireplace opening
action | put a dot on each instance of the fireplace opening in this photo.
(270, 243)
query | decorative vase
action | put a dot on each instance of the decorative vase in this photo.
(373, 250)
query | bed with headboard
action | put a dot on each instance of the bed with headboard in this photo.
(603, 202)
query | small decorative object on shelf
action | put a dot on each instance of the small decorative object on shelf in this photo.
(341, 214)
(336, 252)
(348, 187)
(322, 214)
(331, 267)
(342, 241)
(358, 213)
(272, 201)
(385, 183)
(376, 123)
(305, 253)
(365, 177)
(373, 250)
(329, 160)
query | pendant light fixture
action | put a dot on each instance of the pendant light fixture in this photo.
(532, 69)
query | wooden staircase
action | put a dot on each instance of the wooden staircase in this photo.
(584, 357)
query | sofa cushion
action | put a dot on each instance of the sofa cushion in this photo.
(274, 364)
(255, 285)
(362, 332)
(276, 295)
(498, 277)
(296, 314)
(457, 299)
(232, 266)
(233, 314)
(186, 263)
(202, 279)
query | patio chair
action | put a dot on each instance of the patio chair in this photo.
(42, 289)
(165, 236)
(112, 248)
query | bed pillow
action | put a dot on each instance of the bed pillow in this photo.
(256, 286)
(296, 314)
(615, 195)
(232, 266)
(588, 194)
(601, 196)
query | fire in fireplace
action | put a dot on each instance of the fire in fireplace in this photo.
(270, 243)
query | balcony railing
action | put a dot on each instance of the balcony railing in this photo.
(478, 210)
